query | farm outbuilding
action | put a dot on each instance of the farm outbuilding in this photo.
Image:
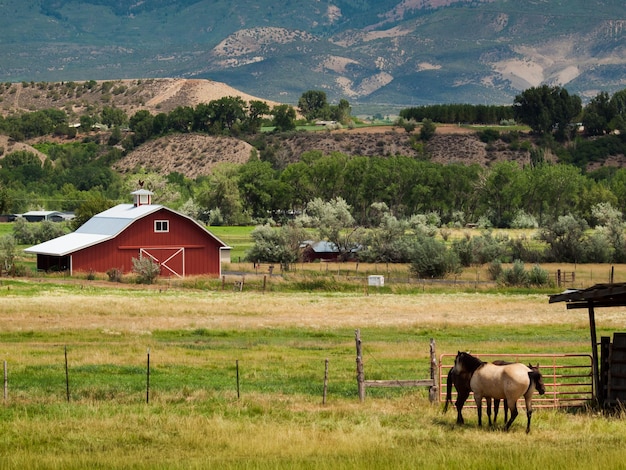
(609, 366)
(111, 239)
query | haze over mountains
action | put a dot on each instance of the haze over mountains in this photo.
(386, 53)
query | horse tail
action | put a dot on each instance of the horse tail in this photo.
(449, 389)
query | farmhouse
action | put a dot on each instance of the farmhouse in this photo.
(111, 239)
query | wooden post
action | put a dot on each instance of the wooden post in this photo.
(223, 282)
(6, 382)
(325, 382)
(67, 378)
(605, 351)
(237, 369)
(148, 378)
(594, 351)
(360, 375)
(433, 391)
(264, 283)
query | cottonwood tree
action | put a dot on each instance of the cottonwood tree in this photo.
(334, 223)
(546, 109)
(277, 244)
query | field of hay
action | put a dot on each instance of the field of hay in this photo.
(236, 379)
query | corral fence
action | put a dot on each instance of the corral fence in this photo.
(363, 384)
(568, 378)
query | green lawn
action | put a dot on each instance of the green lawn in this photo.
(238, 238)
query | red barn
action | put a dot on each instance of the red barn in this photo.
(111, 239)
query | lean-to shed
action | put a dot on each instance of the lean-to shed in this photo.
(609, 366)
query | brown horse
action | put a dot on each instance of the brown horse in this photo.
(461, 382)
(510, 382)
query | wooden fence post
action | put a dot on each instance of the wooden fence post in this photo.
(148, 378)
(6, 382)
(325, 382)
(360, 375)
(433, 392)
(67, 378)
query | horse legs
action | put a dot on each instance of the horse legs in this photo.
(496, 408)
(479, 408)
(529, 409)
(460, 401)
(514, 414)
(488, 400)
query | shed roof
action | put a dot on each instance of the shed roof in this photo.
(599, 295)
(101, 227)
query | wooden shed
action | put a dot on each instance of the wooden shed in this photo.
(111, 239)
(609, 365)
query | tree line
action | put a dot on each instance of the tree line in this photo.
(77, 176)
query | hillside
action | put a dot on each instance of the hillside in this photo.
(157, 95)
(380, 54)
(194, 155)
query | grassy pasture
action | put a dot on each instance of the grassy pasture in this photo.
(280, 340)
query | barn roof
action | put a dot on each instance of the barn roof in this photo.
(101, 227)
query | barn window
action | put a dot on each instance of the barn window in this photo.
(161, 226)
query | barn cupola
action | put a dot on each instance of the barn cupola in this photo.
(142, 197)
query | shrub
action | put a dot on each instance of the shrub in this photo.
(146, 269)
(538, 276)
(115, 275)
(495, 270)
(515, 276)
(431, 259)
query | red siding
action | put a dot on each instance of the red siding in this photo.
(201, 251)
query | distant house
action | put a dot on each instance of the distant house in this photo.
(40, 216)
(323, 251)
(111, 239)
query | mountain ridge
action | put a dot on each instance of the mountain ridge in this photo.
(392, 53)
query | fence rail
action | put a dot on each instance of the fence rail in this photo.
(567, 377)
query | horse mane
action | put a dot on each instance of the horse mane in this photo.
(471, 362)
(535, 377)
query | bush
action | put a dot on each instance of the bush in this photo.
(431, 259)
(146, 269)
(515, 276)
(538, 276)
(115, 275)
(495, 270)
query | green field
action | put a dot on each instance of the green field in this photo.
(236, 379)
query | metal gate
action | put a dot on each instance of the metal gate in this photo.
(568, 377)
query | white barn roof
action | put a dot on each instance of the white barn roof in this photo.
(99, 228)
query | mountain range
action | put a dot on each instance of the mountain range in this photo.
(380, 54)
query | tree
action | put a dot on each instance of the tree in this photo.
(228, 110)
(546, 108)
(277, 245)
(221, 191)
(599, 112)
(112, 117)
(428, 129)
(565, 237)
(7, 254)
(341, 112)
(94, 205)
(334, 223)
(256, 111)
(284, 117)
(313, 105)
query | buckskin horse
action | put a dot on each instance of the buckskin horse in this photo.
(505, 382)
(461, 382)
